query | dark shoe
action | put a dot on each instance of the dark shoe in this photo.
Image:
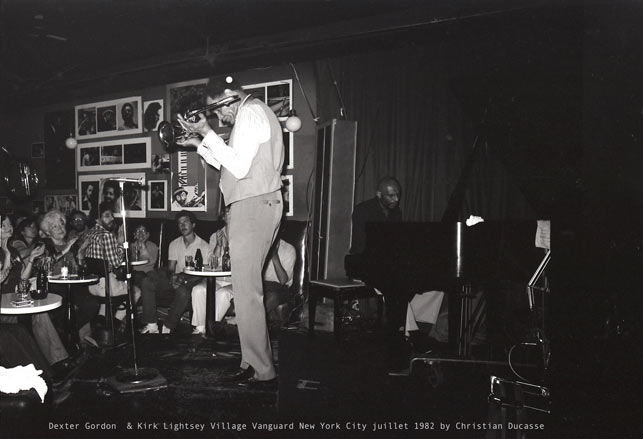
(63, 369)
(256, 384)
(242, 375)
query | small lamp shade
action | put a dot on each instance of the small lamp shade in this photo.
(71, 143)
(293, 123)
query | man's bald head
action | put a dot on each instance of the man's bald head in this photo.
(389, 192)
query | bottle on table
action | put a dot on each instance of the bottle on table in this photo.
(42, 284)
(225, 260)
(136, 254)
(198, 260)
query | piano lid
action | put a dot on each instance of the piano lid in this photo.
(437, 253)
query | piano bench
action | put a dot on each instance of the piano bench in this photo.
(339, 290)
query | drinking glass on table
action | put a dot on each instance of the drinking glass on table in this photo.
(24, 285)
(189, 261)
(214, 262)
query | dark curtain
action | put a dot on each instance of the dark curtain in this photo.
(412, 126)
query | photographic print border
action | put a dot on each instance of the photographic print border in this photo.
(289, 194)
(149, 196)
(100, 180)
(87, 168)
(65, 203)
(161, 113)
(92, 111)
(188, 172)
(88, 178)
(191, 91)
(142, 197)
(284, 109)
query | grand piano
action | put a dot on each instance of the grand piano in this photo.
(409, 258)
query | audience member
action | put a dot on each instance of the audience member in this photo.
(61, 249)
(217, 244)
(25, 237)
(171, 287)
(12, 269)
(104, 249)
(143, 249)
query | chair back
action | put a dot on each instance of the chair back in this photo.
(295, 233)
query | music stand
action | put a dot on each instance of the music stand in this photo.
(134, 379)
(539, 317)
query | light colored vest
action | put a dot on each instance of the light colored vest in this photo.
(264, 175)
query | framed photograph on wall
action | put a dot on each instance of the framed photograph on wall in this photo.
(157, 195)
(110, 190)
(183, 96)
(287, 192)
(38, 150)
(117, 117)
(114, 154)
(277, 95)
(189, 189)
(152, 115)
(88, 186)
(161, 164)
(64, 203)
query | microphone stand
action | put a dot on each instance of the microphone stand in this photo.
(136, 379)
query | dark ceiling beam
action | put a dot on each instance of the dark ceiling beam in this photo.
(301, 45)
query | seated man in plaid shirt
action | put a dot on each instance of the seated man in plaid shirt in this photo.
(102, 244)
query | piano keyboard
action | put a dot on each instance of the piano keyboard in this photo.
(183, 168)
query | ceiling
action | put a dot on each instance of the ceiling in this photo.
(60, 49)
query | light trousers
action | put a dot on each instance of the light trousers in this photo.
(222, 299)
(254, 223)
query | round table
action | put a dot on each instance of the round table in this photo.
(211, 288)
(52, 301)
(72, 331)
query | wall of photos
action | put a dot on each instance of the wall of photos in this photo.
(117, 137)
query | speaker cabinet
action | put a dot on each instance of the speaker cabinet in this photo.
(334, 191)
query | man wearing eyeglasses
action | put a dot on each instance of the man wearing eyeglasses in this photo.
(250, 165)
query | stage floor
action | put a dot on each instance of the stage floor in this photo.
(325, 389)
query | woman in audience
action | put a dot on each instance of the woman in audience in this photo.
(63, 250)
(143, 250)
(25, 237)
(13, 268)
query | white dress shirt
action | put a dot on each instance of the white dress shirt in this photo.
(251, 129)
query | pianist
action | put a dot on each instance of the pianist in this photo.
(384, 207)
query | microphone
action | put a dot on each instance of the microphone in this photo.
(138, 181)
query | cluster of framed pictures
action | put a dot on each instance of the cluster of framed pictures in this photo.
(65, 203)
(190, 95)
(109, 118)
(93, 189)
(114, 154)
(181, 180)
